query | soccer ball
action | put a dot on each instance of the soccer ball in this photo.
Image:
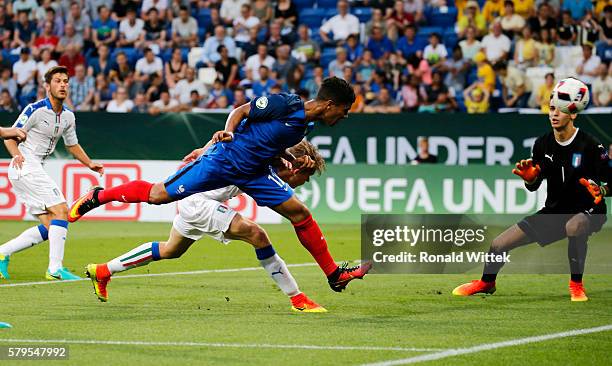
(570, 96)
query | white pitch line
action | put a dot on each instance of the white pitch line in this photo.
(204, 271)
(490, 346)
(218, 345)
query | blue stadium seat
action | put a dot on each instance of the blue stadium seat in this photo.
(472, 76)
(450, 39)
(185, 53)
(604, 51)
(201, 34)
(327, 56)
(443, 18)
(460, 101)
(13, 58)
(203, 18)
(166, 55)
(132, 54)
(303, 4)
(312, 17)
(315, 36)
(429, 30)
(327, 4)
(364, 14)
(330, 13)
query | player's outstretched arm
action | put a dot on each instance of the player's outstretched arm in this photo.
(80, 154)
(530, 173)
(13, 133)
(195, 154)
(233, 120)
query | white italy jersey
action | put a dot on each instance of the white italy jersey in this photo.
(31, 183)
(205, 214)
(44, 128)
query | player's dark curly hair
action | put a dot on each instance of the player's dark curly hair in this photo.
(336, 90)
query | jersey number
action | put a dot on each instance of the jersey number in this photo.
(278, 181)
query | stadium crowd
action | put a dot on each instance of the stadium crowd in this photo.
(155, 56)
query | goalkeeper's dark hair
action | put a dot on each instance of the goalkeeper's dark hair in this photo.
(336, 90)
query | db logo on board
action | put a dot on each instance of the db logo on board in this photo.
(77, 180)
(10, 207)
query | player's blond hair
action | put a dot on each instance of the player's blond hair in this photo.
(307, 148)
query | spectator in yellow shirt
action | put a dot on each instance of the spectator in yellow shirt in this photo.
(525, 52)
(493, 9)
(544, 92)
(476, 99)
(472, 17)
(524, 8)
(460, 5)
(485, 72)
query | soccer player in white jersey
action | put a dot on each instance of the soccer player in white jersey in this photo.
(206, 214)
(45, 122)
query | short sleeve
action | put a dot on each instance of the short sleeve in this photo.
(25, 120)
(70, 136)
(276, 106)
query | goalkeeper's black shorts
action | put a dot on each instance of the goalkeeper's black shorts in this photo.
(546, 226)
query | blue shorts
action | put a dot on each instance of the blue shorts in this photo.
(213, 171)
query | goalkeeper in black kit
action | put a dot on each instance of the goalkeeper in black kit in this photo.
(577, 170)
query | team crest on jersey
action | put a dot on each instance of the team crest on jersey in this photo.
(222, 208)
(261, 103)
(576, 160)
(22, 120)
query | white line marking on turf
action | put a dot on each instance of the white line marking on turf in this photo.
(204, 271)
(220, 345)
(490, 346)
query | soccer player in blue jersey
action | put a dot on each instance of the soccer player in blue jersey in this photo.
(254, 134)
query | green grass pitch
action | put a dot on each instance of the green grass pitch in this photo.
(220, 318)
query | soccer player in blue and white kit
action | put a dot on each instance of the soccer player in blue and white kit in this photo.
(254, 134)
(45, 122)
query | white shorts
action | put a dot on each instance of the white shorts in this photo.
(36, 190)
(198, 217)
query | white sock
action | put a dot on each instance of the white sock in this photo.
(58, 230)
(26, 239)
(137, 257)
(277, 269)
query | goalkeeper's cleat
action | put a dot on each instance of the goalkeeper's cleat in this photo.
(302, 304)
(576, 290)
(474, 287)
(62, 274)
(345, 274)
(4, 262)
(98, 280)
(84, 204)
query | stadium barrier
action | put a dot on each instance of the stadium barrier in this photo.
(340, 195)
(391, 139)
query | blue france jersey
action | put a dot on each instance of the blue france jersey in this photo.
(275, 123)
